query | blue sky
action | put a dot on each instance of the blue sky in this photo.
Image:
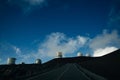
(31, 29)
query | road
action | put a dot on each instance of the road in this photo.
(67, 72)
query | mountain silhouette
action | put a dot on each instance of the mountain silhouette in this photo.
(106, 67)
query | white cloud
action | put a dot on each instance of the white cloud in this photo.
(103, 51)
(100, 45)
(105, 39)
(59, 42)
(105, 43)
(16, 49)
(53, 43)
(7, 48)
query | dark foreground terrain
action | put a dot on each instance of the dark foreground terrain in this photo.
(77, 68)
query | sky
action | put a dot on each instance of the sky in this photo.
(32, 29)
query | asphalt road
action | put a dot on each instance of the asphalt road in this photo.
(67, 72)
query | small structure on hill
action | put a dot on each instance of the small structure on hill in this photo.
(79, 54)
(11, 61)
(59, 55)
(22, 62)
(87, 55)
(38, 61)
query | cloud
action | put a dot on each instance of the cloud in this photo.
(53, 43)
(105, 39)
(60, 42)
(16, 49)
(99, 45)
(103, 51)
(28, 5)
(105, 43)
(8, 50)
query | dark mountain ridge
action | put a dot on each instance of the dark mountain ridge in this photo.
(107, 66)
